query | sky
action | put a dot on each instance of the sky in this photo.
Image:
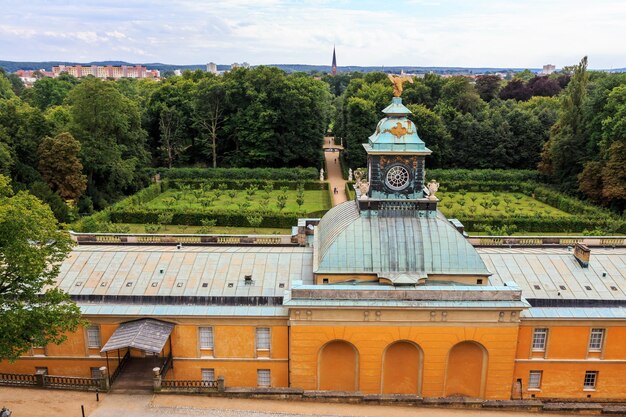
(464, 33)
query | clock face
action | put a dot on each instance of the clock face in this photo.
(397, 178)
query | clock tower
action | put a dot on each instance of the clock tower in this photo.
(396, 167)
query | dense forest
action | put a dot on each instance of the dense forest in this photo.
(90, 141)
(571, 125)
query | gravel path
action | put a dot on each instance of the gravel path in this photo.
(335, 176)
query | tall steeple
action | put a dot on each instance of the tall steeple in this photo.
(333, 68)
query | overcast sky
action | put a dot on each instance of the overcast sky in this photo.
(468, 33)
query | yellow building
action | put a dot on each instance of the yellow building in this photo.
(386, 296)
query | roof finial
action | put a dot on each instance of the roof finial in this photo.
(397, 81)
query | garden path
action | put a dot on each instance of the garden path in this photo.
(333, 166)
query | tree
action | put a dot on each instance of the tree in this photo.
(60, 167)
(48, 92)
(433, 132)
(544, 86)
(488, 87)
(209, 110)
(33, 311)
(516, 89)
(108, 126)
(172, 142)
(564, 154)
(361, 122)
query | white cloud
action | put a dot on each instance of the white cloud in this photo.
(411, 32)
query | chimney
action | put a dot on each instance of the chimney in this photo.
(582, 254)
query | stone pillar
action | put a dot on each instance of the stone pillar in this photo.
(221, 386)
(157, 379)
(104, 379)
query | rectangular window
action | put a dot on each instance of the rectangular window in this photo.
(208, 374)
(540, 337)
(263, 338)
(596, 340)
(591, 379)
(93, 337)
(206, 337)
(534, 379)
(95, 372)
(263, 378)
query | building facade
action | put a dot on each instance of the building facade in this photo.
(106, 71)
(385, 296)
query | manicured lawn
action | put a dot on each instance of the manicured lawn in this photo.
(496, 204)
(314, 200)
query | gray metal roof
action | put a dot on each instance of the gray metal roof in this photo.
(575, 313)
(349, 242)
(145, 334)
(554, 273)
(114, 270)
(150, 310)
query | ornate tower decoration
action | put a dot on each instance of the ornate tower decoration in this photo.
(395, 162)
(333, 68)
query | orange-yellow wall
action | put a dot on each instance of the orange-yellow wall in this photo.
(566, 359)
(435, 342)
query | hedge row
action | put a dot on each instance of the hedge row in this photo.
(235, 184)
(568, 224)
(482, 175)
(292, 174)
(195, 217)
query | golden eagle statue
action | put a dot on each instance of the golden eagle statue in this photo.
(397, 81)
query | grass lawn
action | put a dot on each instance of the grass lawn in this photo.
(495, 204)
(177, 229)
(314, 200)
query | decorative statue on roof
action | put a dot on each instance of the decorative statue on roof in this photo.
(397, 81)
(362, 186)
(350, 175)
(433, 187)
(322, 175)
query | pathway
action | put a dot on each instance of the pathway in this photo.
(333, 166)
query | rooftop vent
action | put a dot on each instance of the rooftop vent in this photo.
(537, 287)
(103, 284)
(129, 284)
(180, 284)
(79, 283)
(161, 271)
(205, 284)
(563, 287)
(613, 287)
(247, 279)
(582, 254)
(587, 287)
(281, 285)
(154, 284)
(230, 285)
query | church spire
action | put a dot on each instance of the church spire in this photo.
(333, 68)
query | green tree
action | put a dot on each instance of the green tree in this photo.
(60, 166)
(108, 126)
(488, 87)
(173, 144)
(564, 154)
(49, 92)
(33, 311)
(209, 109)
(433, 132)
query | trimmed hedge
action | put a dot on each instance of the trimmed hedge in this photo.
(291, 174)
(483, 175)
(234, 184)
(568, 224)
(195, 217)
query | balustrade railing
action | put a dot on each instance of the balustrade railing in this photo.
(554, 241)
(185, 239)
(71, 382)
(188, 384)
(18, 380)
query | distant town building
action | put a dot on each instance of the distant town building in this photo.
(211, 67)
(548, 69)
(106, 71)
(29, 77)
(245, 65)
(333, 68)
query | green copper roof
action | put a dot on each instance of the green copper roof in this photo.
(396, 133)
(400, 246)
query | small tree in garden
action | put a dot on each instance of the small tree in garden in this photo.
(207, 225)
(268, 188)
(165, 218)
(300, 195)
(251, 190)
(448, 204)
(254, 220)
(232, 194)
(281, 201)
(495, 202)
(486, 205)
(473, 197)
(472, 209)
(152, 228)
(243, 205)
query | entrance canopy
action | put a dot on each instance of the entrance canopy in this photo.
(146, 334)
